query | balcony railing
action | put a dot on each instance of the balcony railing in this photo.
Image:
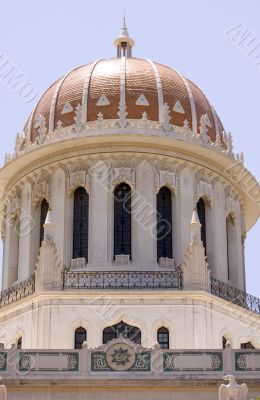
(235, 295)
(17, 292)
(122, 280)
(131, 280)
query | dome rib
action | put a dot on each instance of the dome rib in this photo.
(194, 126)
(55, 99)
(159, 90)
(85, 93)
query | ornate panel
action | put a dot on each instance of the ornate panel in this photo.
(3, 361)
(193, 361)
(41, 361)
(247, 361)
(120, 357)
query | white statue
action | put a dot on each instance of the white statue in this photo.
(3, 392)
(232, 391)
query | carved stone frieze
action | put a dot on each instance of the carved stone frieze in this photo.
(78, 176)
(41, 190)
(167, 178)
(123, 174)
(205, 190)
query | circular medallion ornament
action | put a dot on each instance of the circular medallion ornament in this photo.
(120, 357)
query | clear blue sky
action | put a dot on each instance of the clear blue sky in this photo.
(46, 39)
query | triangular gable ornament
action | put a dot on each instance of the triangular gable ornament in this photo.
(142, 101)
(103, 101)
(178, 108)
(67, 108)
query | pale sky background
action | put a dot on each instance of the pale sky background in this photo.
(45, 39)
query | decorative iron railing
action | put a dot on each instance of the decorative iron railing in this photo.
(122, 280)
(235, 296)
(17, 292)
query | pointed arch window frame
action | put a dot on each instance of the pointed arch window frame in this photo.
(164, 340)
(201, 210)
(44, 208)
(80, 336)
(80, 228)
(166, 248)
(122, 220)
(130, 332)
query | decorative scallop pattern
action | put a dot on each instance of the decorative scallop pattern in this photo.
(102, 78)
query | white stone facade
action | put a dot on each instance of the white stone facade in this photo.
(54, 316)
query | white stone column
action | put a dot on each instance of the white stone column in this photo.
(186, 204)
(219, 256)
(144, 217)
(58, 207)
(235, 251)
(99, 216)
(25, 239)
(69, 228)
(11, 251)
(35, 236)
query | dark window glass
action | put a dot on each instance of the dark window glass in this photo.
(224, 342)
(164, 223)
(44, 212)
(127, 331)
(80, 223)
(19, 343)
(201, 209)
(80, 337)
(163, 338)
(247, 345)
(122, 220)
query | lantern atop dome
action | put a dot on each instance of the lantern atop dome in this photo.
(124, 43)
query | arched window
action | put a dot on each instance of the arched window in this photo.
(122, 220)
(80, 223)
(164, 223)
(163, 338)
(80, 337)
(247, 345)
(201, 209)
(44, 212)
(127, 331)
(19, 343)
(224, 342)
